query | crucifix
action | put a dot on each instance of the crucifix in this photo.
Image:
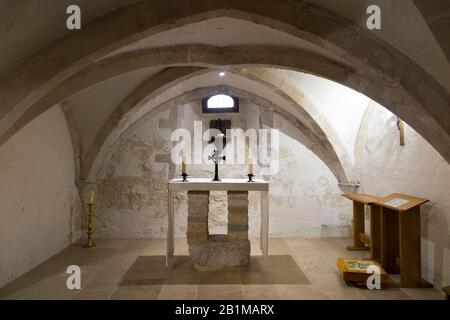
(216, 158)
(401, 130)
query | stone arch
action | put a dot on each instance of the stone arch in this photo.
(320, 148)
(381, 72)
(172, 76)
(287, 89)
(212, 57)
(149, 89)
(74, 130)
(184, 55)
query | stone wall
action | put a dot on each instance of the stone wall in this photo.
(40, 207)
(415, 169)
(132, 199)
(197, 222)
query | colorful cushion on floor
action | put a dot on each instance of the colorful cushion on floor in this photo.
(357, 270)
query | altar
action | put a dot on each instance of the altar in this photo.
(201, 244)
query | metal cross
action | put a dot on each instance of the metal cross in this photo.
(216, 158)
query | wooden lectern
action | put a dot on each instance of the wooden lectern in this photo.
(394, 234)
(400, 238)
(362, 241)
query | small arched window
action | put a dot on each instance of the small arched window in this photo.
(220, 103)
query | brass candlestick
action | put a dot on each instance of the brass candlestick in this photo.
(90, 229)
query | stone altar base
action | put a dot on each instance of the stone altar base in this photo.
(218, 252)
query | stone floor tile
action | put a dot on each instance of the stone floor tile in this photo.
(349, 293)
(298, 242)
(150, 292)
(423, 293)
(106, 279)
(121, 261)
(260, 292)
(220, 292)
(96, 256)
(300, 292)
(94, 294)
(116, 244)
(385, 294)
(178, 292)
(298, 268)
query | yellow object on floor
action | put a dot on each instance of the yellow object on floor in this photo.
(359, 270)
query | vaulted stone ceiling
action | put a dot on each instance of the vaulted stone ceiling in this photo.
(117, 69)
(27, 26)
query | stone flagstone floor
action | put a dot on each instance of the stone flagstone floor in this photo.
(134, 269)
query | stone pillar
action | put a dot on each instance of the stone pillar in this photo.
(348, 187)
(198, 204)
(218, 252)
(237, 215)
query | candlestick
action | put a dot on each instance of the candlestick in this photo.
(91, 197)
(90, 228)
(250, 177)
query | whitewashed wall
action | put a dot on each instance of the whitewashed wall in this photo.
(343, 107)
(304, 198)
(38, 198)
(415, 169)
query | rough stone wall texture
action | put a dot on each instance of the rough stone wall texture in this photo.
(40, 207)
(132, 194)
(237, 215)
(132, 200)
(218, 252)
(198, 207)
(416, 169)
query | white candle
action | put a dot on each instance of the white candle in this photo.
(183, 164)
(250, 164)
(91, 197)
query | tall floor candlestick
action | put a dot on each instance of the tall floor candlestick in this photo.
(90, 229)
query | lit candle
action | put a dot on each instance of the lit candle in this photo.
(91, 197)
(183, 165)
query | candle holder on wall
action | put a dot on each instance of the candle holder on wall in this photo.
(250, 177)
(90, 228)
